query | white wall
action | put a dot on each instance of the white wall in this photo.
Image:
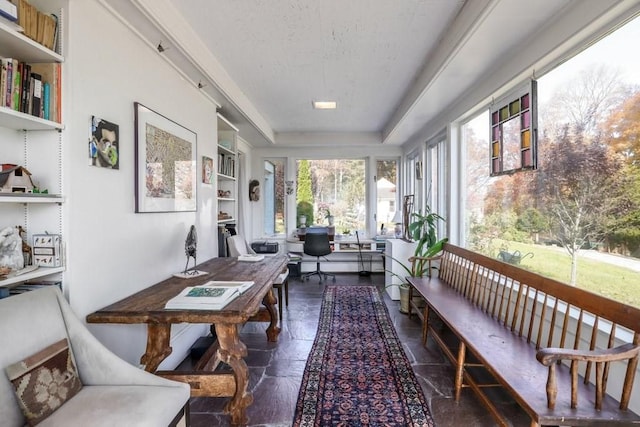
(112, 251)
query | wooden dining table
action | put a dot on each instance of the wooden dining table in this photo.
(256, 304)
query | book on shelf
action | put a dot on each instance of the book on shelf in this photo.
(48, 74)
(8, 10)
(38, 26)
(16, 92)
(25, 87)
(213, 295)
(6, 90)
(3, 81)
(35, 98)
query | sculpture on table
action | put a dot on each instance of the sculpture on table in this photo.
(190, 248)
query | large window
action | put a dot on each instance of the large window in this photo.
(332, 187)
(434, 175)
(274, 190)
(414, 179)
(576, 218)
(387, 203)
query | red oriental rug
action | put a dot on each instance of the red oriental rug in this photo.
(357, 373)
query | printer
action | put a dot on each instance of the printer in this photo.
(264, 247)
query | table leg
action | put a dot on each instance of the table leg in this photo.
(232, 351)
(158, 348)
(273, 330)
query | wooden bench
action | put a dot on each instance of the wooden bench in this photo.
(552, 346)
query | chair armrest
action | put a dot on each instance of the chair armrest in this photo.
(549, 355)
(96, 364)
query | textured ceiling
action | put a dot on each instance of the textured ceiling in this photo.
(397, 68)
(284, 54)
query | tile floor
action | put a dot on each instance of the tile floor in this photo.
(276, 368)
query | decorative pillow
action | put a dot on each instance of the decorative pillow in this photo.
(44, 381)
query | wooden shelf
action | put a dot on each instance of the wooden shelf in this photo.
(31, 198)
(223, 149)
(225, 177)
(17, 45)
(40, 272)
(12, 119)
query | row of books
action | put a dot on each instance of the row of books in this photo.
(38, 26)
(226, 164)
(33, 89)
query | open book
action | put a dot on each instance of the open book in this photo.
(210, 296)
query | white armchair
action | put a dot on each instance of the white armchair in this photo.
(113, 393)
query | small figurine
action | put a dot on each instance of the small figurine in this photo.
(27, 252)
(190, 248)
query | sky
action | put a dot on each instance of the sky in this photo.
(619, 50)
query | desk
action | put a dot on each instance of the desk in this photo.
(147, 306)
(345, 256)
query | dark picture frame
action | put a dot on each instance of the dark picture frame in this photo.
(166, 169)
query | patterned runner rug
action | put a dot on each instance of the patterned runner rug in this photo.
(357, 373)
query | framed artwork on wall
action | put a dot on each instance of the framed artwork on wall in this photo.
(165, 163)
(104, 144)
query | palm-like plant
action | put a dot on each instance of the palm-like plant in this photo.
(423, 229)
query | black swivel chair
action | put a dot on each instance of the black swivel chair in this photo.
(317, 245)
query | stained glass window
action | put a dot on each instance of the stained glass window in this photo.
(513, 131)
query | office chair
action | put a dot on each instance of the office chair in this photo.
(237, 246)
(317, 245)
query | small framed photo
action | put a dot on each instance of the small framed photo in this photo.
(165, 164)
(419, 170)
(207, 170)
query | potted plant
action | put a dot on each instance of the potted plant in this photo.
(423, 230)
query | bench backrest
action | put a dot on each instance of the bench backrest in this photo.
(545, 312)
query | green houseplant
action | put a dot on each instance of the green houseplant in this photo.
(423, 230)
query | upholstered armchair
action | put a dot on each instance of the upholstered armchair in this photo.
(107, 391)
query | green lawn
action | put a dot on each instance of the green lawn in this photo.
(614, 282)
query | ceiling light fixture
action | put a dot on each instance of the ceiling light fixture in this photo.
(325, 105)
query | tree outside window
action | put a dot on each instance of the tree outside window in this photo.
(336, 187)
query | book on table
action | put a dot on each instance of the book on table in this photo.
(251, 257)
(213, 295)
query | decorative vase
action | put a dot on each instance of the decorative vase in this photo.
(330, 219)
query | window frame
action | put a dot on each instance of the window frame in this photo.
(520, 104)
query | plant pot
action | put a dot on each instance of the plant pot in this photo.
(404, 298)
